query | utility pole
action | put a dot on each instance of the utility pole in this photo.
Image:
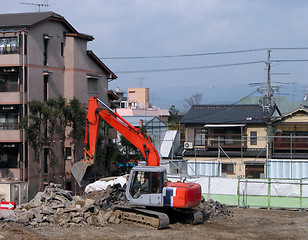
(269, 107)
(269, 88)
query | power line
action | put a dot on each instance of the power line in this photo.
(290, 60)
(185, 55)
(187, 68)
(200, 54)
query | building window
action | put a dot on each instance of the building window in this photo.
(45, 87)
(45, 166)
(68, 153)
(8, 45)
(228, 168)
(9, 155)
(200, 137)
(9, 117)
(45, 49)
(62, 49)
(92, 84)
(253, 138)
(9, 79)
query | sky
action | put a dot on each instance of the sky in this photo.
(178, 48)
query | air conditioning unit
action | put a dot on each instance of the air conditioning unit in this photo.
(188, 145)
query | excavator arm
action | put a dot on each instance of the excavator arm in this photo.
(140, 140)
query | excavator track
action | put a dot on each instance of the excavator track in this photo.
(144, 216)
(159, 217)
(186, 216)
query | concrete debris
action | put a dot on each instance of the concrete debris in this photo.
(214, 208)
(58, 207)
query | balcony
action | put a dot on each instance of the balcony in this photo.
(9, 126)
(9, 132)
(10, 51)
(295, 143)
(10, 173)
(228, 141)
(11, 59)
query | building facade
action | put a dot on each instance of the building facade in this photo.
(226, 140)
(138, 98)
(42, 57)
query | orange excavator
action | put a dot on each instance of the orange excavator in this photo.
(153, 197)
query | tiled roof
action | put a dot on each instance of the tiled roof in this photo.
(223, 114)
(27, 20)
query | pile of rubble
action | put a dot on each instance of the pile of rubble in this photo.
(59, 207)
(214, 208)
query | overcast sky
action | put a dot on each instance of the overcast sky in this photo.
(179, 34)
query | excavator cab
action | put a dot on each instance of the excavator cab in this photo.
(145, 185)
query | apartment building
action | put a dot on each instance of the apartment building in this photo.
(138, 98)
(42, 56)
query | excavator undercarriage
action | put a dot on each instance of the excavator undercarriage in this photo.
(160, 218)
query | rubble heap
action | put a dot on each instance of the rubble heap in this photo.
(113, 195)
(214, 208)
(56, 206)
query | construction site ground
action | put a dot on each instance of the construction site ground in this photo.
(246, 223)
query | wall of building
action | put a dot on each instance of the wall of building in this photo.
(140, 96)
(261, 136)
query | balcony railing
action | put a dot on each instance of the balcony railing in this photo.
(225, 141)
(9, 126)
(290, 143)
(11, 87)
(9, 49)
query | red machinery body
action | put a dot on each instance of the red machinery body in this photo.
(182, 195)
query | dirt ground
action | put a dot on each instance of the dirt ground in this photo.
(244, 224)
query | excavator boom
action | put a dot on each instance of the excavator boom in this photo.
(140, 140)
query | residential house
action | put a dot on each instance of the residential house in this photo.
(226, 140)
(42, 56)
(289, 148)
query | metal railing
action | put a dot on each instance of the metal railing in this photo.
(9, 126)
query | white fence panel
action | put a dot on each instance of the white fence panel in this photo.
(305, 188)
(256, 187)
(285, 188)
(227, 186)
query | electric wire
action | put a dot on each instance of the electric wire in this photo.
(201, 54)
(188, 68)
(185, 55)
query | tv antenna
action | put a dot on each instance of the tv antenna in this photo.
(37, 6)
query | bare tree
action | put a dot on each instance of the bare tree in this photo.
(194, 99)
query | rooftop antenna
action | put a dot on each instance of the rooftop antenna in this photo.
(37, 6)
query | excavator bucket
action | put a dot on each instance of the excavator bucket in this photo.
(80, 171)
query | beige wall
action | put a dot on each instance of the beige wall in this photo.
(139, 95)
(297, 118)
(261, 136)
